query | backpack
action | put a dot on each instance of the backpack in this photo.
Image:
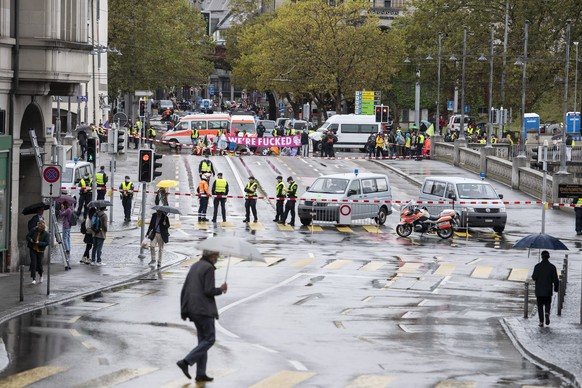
(400, 139)
(96, 224)
(74, 219)
(83, 228)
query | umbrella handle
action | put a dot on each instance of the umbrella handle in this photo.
(227, 268)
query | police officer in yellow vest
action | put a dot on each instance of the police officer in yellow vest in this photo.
(291, 199)
(151, 136)
(194, 137)
(85, 194)
(205, 167)
(101, 182)
(251, 199)
(126, 195)
(578, 210)
(219, 189)
(280, 194)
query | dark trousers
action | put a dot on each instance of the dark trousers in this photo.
(88, 247)
(202, 208)
(35, 263)
(379, 152)
(544, 306)
(126, 202)
(289, 208)
(206, 338)
(222, 203)
(578, 211)
(279, 210)
(84, 199)
(250, 204)
(101, 190)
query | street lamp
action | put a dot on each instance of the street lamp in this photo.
(462, 130)
(438, 101)
(490, 131)
(563, 169)
(576, 79)
(523, 79)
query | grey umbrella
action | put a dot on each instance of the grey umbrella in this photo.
(167, 209)
(99, 203)
(540, 241)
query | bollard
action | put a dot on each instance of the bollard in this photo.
(526, 300)
(21, 283)
(565, 268)
(560, 294)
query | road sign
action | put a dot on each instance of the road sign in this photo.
(450, 105)
(467, 108)
(211, 90)
(51, 181)
(121, 118)
(199, 101)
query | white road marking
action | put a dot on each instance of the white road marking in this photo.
(297, 365)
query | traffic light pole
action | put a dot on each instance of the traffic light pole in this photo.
(112, 164)
(143, 205)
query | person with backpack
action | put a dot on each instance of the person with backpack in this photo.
(67, 215)
(88, 236)
(99, 230)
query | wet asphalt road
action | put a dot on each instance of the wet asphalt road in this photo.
(329, 308)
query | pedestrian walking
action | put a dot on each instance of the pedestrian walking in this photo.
(126, 195)
(37, 239)
(251, 200)
(545, 276)
(204, 194)
(219, 191)
(161, 197)
(569, 144)
(151, 135)
(66, 214)
(198, 304)
(101, 180)
(291, 199)
(159, 235)
(99, 229)
(85, 194)
(88, 236)
(82, 138)
(305, 143)
(371, 144)
(578, 210)
(280, 194)
(206, 166)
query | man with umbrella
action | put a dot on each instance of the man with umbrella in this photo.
(545, 275)
(158, 234)
(38, 210)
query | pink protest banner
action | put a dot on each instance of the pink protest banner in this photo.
(279, 141)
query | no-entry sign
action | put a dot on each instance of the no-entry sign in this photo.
(51, 181)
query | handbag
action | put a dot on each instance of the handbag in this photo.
(145, 243)
(151, 235)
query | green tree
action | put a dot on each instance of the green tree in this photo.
(163, 45)
(310, 49)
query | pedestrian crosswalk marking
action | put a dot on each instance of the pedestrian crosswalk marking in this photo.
(370, 381)
(445, 269)
(301, 263)
(344, 229)
(337, 264)
(74, 333)
(518, 274)
(226, 224)
(256, 226)
(462, 234)
(201, 225)
(284, 379)
(409, 267)
(372, 266)
(482, 272)
(116, 378)
(31, 376)
(285, 228)
(88, 345)
(456, 384)
(372, 229)
(315, 228)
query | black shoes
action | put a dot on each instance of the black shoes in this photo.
(255, 221)
(541, 324)
(547, 319)
(275, 220)
(182, 364)
(204, 378)
(245, 220)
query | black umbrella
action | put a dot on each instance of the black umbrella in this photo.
(167, 209)
(540, 241)
(33, 209)
(99, 203)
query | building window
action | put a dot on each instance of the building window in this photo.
(387, 3)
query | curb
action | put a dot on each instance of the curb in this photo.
(514, 331)
(412, 180)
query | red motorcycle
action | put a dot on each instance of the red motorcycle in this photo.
(418, 219)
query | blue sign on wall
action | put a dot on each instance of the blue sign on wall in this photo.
(467, 108)
(211, 90)
(450, 105)
(199, 101)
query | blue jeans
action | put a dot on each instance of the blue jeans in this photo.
(97, 247)
(67, 239)
(206, 338)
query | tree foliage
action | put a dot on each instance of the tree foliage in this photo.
(163, 44)
(313, 50)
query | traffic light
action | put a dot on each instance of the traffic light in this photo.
(494, 116)
(145, 165)
(92, 150)
(120, 141)
(142, 108)
(155, 166)
(536, 157)
(384, 114)
(378, 114)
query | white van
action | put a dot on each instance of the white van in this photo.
(322, 200)
(351, 130)
(206, 124)
(480, 205)
(455, 123)
(72, 174)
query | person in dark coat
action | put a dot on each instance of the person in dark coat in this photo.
(159, 235)
(82, 138)
(197, 303)
(37, 239)
(546, 277)
(32, 223)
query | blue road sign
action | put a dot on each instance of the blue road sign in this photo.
(211, 90)
(199, 100)
(467, 108)
(206, 104)
(450, 105)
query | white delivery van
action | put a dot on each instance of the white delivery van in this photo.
(455, 123)
(72, 174)
(476, 201)
(323, 199)
(206, 124)
(352, 130)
